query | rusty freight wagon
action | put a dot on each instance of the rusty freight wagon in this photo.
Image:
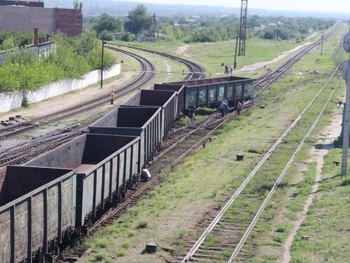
(37, 210)
(166, 100)
(209, 92)
(180, 95)
(145, 122)
(106, 165)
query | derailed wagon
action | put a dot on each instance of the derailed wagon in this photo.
(106, 166)
(209, 92)
(37, 211)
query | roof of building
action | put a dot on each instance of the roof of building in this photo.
(29, 1)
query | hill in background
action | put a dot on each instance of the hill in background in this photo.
(120, 8)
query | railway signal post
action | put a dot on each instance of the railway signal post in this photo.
(346, 76)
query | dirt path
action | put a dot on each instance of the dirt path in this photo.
(317, 156)
(168, 68)
(181, 50)
(262, 64)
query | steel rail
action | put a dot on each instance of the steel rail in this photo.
(147, 73)
(195, 247)
(196, 70)
(115, 210)
(269, 78)
(279, 179)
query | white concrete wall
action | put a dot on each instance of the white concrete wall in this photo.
(13, 100)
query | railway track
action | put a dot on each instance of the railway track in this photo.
(24, 152)
(181, 143)
(264, 81)
(195, 71)
(239, 215)
(147, 73)
(200, 128)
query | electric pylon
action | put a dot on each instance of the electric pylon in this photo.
(243, 28)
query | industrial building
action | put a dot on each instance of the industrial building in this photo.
(26, 15)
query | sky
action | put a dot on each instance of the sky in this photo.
(301, 5)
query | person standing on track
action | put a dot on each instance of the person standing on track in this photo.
(226, 105)
(222, 107)
(239, 107)
(193, 111)
(112, 96)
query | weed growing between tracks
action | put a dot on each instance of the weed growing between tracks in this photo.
(194, 191)
(200, 185)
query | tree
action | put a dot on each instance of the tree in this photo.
(109, 23)
(106, 35)
(138, 20)
(77, 5)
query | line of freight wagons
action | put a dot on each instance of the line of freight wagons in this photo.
(60, 194)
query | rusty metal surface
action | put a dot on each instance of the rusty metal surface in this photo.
(212, 94)
(155, 97)
(93, 155)
(137, 121)
(169, 86)
(167, 100)
(32, 215)
(109, 120)
(137, 117)
(180, 95)
(201, 82)
(20, 180)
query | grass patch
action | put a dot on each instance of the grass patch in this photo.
(142, 224)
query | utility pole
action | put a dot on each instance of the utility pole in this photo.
(243, 28)
(234, 62)
(346, 76)
(155, 26)
(103, 46)
(322, 38)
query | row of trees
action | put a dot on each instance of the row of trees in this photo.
(9, 39)
(72, 58)
(201, 28)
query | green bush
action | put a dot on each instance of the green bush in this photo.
(72, 58)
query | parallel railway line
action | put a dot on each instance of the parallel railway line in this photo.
(226, 227)
(200, 130)
(147, 73)
(196, 71)
(183, 141)
(264, 81)
(22, 153)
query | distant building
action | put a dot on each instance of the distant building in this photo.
(19, 17)
(118, 36)
(35, 3)
(259, 28)
(145, 39)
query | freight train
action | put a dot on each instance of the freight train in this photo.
(60, 194)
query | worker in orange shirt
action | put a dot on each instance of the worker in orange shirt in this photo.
(112, 95)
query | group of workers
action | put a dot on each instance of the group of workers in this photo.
(223, 107)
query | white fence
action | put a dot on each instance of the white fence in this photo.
(13, 100)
